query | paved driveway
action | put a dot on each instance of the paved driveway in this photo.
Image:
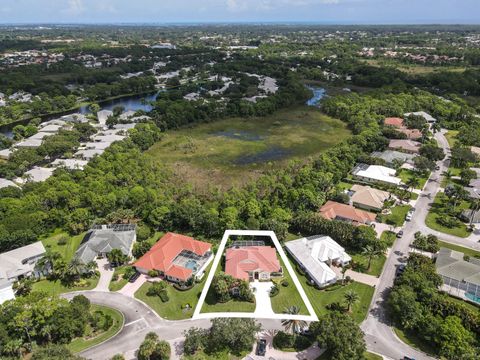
(131, 288)
(262, 298)
(106, 273)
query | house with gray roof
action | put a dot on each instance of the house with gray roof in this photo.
(392, 156)
(6, 291)
(459, 274)
(102, 239)
(21, 262)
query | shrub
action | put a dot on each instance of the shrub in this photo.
(129, 272)
(115, 277)
(164, 296)
(62, 241)
(274, 291)
(153, 273)
(156, 289)
(285, 283)
(282, 340)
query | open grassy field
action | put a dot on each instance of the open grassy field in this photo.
(438, 210)
(80, 344)
(234, 150)
(67, 250)
(56, 287)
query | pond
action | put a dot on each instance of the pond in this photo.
(318, 94)
(271, 154)
(133, 103)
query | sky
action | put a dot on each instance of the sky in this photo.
(201, 11)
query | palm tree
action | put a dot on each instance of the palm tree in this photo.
(435, 127)
(291, 325)
(91, 267)
(371, 252)
(75, 268)
(344, 270)
(351, 297)
(448, 175)
(412, 183)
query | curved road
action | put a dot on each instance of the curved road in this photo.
(139, 320)
(379, 335)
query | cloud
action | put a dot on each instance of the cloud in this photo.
(75, 7)
(237, 5)
(252, 5)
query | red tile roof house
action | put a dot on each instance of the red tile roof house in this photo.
(252, 263)
(397, 123)
(394, 121)
(176, 257)
(336, 211)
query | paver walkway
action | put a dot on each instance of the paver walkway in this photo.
(262, 298)
(360, 277)
(106, 273)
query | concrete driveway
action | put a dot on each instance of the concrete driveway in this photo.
(131, 288)
(106, 273)
(262, 298)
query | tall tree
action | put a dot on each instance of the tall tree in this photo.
(293, 325)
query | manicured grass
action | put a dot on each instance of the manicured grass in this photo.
(321, 298)
(56, 287)
(406, 174)
(376, 265)
(372, 356)
(414, 341)
(397, 217)
(450, 135)
(231, 306)
(224, 355)
(81, 344)
(466, 251)
(288, 296)
(388, 237)
(66, 251)
(121, 282)
(171, 310)
(225, 152)
(438, 210)
(342, 185)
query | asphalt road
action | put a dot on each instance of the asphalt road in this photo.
(379, 335)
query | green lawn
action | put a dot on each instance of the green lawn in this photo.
(81, 344)
(361, 262)
(372, 356)
(322, 298)
(288, 296)
(438, 210)
(121, 282)
(229, 151)
(56, 287)
(450, 135)
(414, 341)
(66, 251)
(342, 185)
(224, 355)
(397, 217)
(388, 237)
(406, 174)
(466, 251)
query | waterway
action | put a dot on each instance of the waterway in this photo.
(129, 103)
(318, 94)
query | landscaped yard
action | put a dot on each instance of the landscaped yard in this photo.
(56, 287)
(388, 237)
(224, 355)
(211, 305)
(66, 250)
(81, 344)
(438, 210)
(229, 151)
(361, 262)
(121, 282)
(397, 216)
(287, 296)
(414, 341)
(407, 174)
(450, 135)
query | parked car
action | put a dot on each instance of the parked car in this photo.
(400, 234)
(408, 358)
(409, 216)
(400, 269)
(261, 347)
(134, 277)
(437, 167)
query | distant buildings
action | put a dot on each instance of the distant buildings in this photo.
(398, 124)
(391, 157)
(336, 211)
(376, 174)
(408, 146)
(6, 291)
(6, 183)
(428, 118)
(36, 174)
(103, 115)
(315, 255)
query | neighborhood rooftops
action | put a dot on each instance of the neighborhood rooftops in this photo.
(336, 211)
(102, 239)
(393, 121)
(314, 253)
(6, 183)
(239, 262)
(366, 196)
(450, 264)
(17, 262)
(428, 118)
(71, 164)
(162, 255)
(389, 156)
(376, 173)
(405, 145)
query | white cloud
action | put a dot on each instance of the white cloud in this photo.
(75, 7)
(244, 5)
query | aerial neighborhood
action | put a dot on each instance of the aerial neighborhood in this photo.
(237, 191)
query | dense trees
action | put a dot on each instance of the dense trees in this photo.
(152, 348)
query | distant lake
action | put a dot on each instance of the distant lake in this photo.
(318, 94)
(271, 154)
(240, 135)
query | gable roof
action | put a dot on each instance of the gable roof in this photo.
(377, 172)
(331, 210)
(450, 264)
(104, 239)
(369, 196)
(393, 121)
(239, 261)
(390, 155)
(412, 134)
(161, 255)
(408, 145)
(13, 264)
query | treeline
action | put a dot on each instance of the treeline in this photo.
(419, 308)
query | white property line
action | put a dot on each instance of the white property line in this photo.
(216, 261)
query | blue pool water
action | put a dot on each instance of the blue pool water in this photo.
(473, 297)
(191, 264)
(318, 94)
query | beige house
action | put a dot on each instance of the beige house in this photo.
(368, 198)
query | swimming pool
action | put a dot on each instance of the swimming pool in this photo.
(472, 297)
(192, 265)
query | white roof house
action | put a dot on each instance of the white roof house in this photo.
(72, 164)
(428, 118)
(76, 118)
(6, 183)
(119, 127)
(376, 173)
(5, 154)
(29, 143)
(21, 261)
(314, 254)
(37, 174)
(126, 115)
(40, 135)
(103, 115)
(6, 291)
(51, 128)
(110, 138)
(88, 154)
